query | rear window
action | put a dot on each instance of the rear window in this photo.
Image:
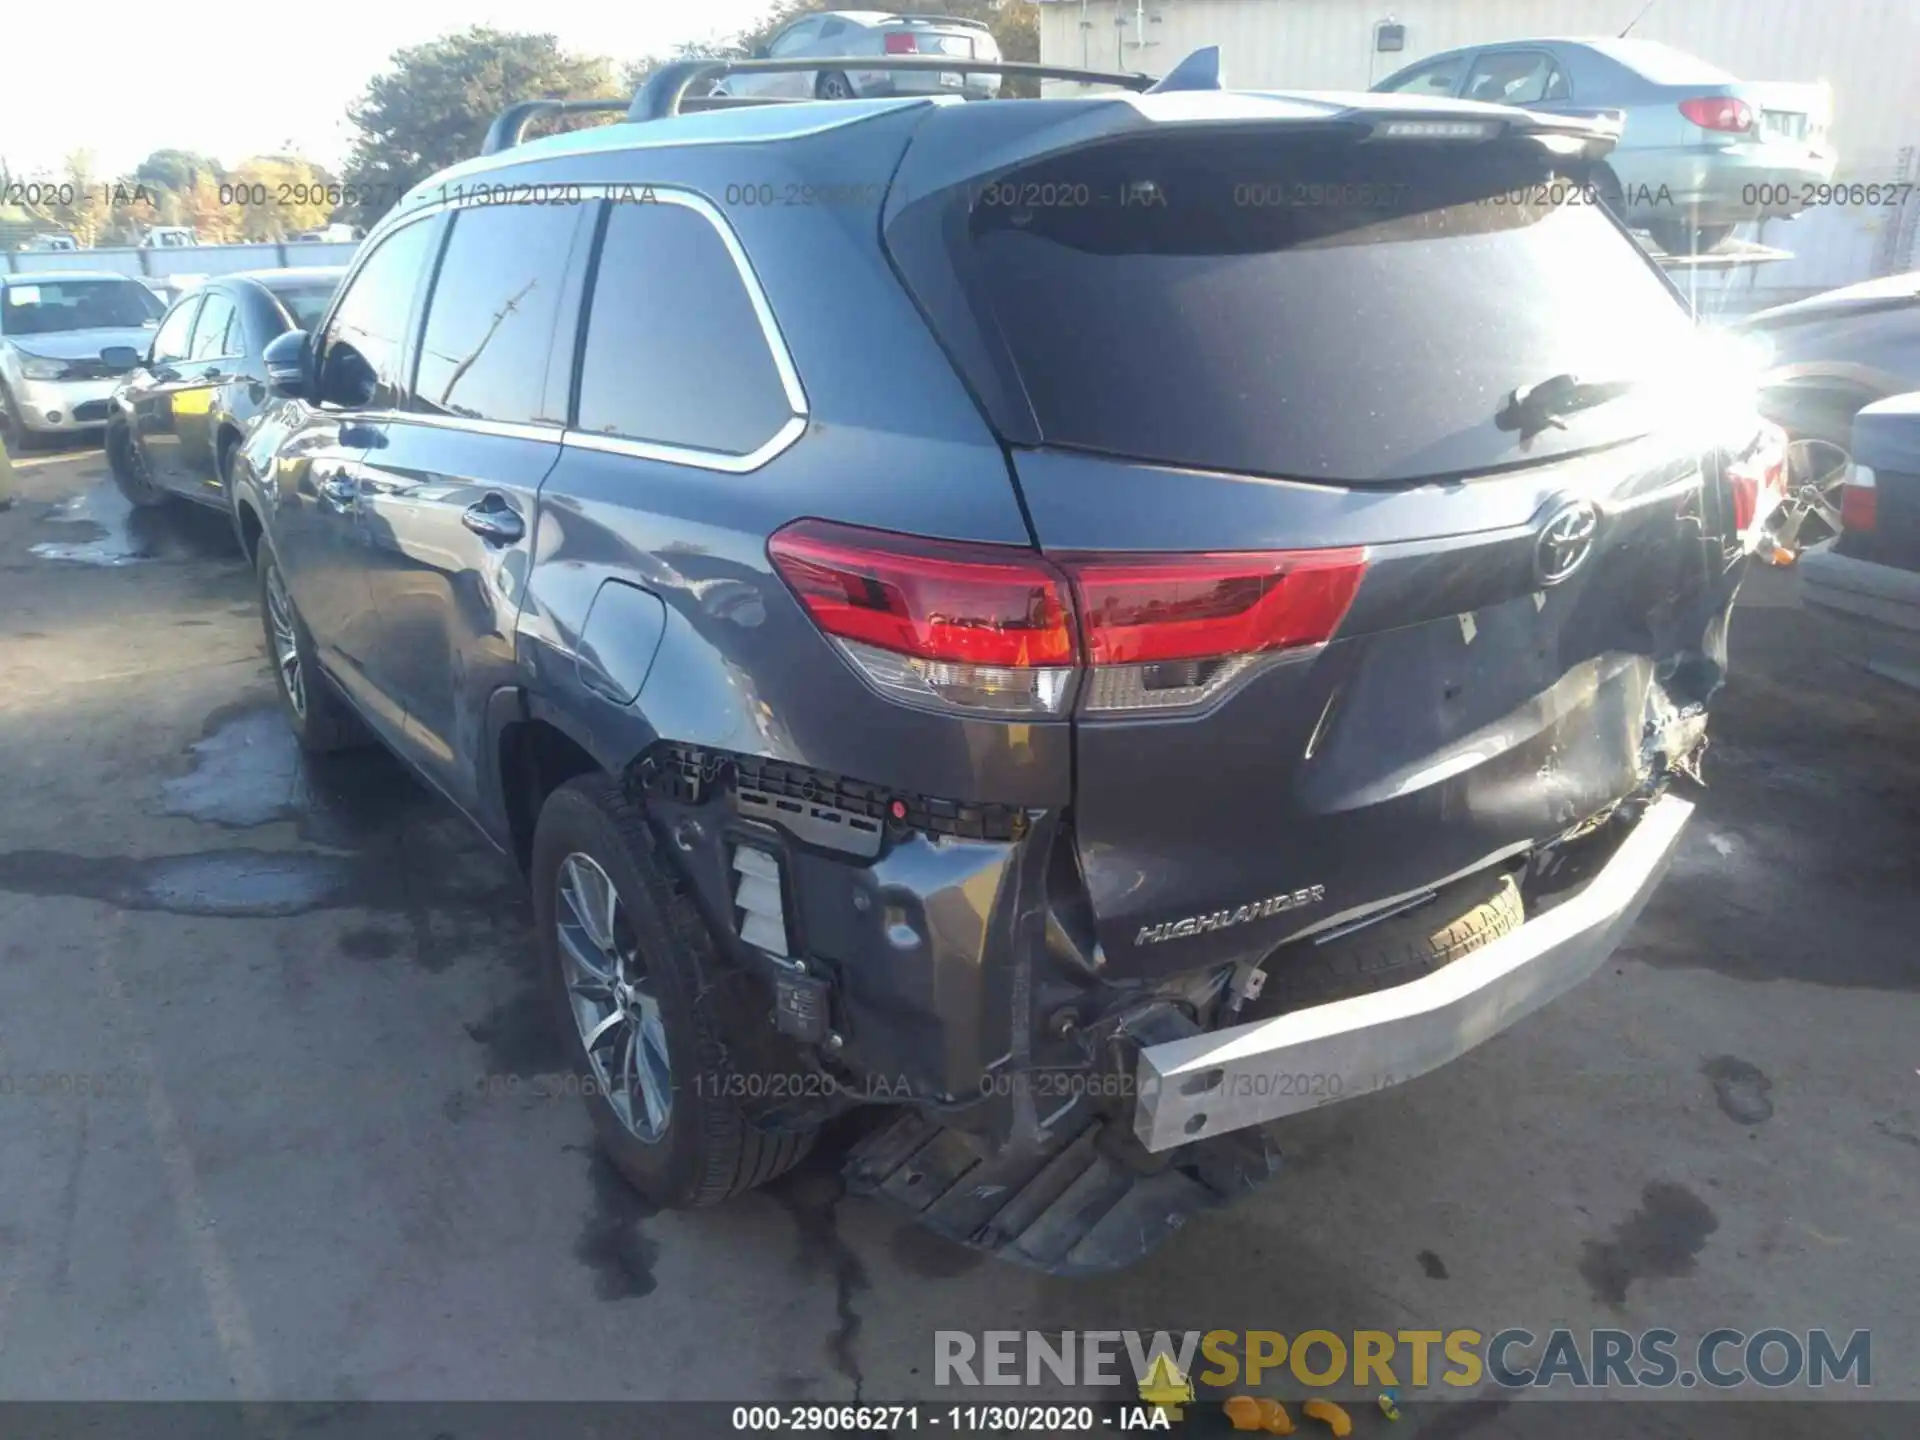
(1319, 308)
(1662, 64)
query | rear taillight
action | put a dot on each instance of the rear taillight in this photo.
(1165, 631)
(899, 44)
(1003, 630)
(1758, 480)
(974, 627)
(1718, 112)
(1857, 500)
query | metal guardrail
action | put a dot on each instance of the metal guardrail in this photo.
(185, 260)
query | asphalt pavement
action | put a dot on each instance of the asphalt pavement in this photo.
(304, 1150)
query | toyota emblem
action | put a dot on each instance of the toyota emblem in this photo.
(1565, 542)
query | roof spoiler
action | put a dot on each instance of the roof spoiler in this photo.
(664, 92)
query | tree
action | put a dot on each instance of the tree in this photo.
(433, 107)
(173, 170)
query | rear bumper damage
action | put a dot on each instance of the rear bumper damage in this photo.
(1201, 1086)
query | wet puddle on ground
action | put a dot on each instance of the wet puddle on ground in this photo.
(246, 769)
(128, 534)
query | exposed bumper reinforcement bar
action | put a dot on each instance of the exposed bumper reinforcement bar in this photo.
(1206, 1085)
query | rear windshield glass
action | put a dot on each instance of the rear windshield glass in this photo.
(1318, 308)
(1662, 64)
(306, 303)
(50, 307)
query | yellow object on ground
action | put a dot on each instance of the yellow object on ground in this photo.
(1326, 1410)
(1250, 1412)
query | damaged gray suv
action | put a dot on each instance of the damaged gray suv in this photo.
(1079, 627)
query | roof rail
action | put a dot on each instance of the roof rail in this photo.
(662, 94)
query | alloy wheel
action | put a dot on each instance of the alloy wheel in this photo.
(286, 643)
(1817, 472)
(836, 87)
(615, 1005)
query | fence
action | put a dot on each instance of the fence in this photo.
(187, 261)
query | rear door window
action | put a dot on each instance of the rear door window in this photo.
(1319, 308)
(1510, 77)
(490, 323)
(675, 353)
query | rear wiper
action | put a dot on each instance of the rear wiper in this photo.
(1533, 408)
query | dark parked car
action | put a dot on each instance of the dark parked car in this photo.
(177, 418)
(1867, 583)
(1829, 356)
(1700, 150)
(1095, 639)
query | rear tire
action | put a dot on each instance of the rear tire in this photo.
(318, 717)
(1465, 917)
(699, 1147)
(834, 86)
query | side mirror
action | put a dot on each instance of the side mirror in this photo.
(285, 359)
(121, 357)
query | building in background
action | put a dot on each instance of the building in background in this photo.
(1864, 49)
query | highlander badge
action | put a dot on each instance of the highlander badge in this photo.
(1226, 919)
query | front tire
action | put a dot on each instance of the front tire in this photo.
(639, 989)
(130, 471)
(318, 717)
(14, 433)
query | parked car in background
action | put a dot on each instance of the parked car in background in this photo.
(169, 237)
(188, 398)
(55, 327)
(1701, 150)
(854, 42)
(1866, 585)
(1828, 356)
(1070, 796)
(338, 233)
(51, 240)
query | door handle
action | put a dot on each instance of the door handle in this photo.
(494, 521)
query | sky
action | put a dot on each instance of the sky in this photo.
(122, 78)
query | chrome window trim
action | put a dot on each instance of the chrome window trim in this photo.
(725, 461)
(507, 429)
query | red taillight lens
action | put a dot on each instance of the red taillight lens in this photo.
(1718, 112)
(898, 44)
(1759, 480)
(992, 628)
(1196, 607)
(974, 604)
(1858, 503)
